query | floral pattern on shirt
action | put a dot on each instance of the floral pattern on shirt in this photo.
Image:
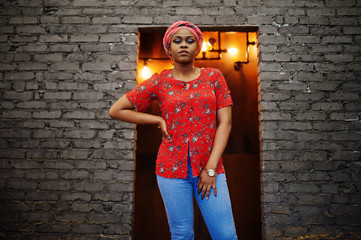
(189, 109)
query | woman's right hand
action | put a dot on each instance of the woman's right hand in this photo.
(163, 127)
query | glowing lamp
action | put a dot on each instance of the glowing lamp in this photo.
(232, 51)
(204, 46)
(145, 73)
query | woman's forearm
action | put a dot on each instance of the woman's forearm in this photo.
(219, 144)
(224, 119)
(132, 116)
(123, 110)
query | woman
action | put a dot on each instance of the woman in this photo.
(195, 122)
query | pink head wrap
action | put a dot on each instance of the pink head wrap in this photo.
(179, 25)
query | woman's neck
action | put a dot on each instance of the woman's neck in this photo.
(183, 69)
(185, 72)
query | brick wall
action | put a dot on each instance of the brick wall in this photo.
(66, 169)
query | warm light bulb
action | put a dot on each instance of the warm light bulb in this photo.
(204, 46)
(232, 51)
(146, 73)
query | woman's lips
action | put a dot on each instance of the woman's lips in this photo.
(183, 52)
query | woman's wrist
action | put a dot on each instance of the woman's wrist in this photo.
(211, 164)
(159, 120)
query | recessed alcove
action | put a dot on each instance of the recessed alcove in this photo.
(241, 157)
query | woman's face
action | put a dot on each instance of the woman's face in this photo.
(183, 47)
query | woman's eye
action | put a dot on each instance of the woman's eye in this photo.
(177, 41)
(190, 41)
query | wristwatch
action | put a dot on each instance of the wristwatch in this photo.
(210, 172)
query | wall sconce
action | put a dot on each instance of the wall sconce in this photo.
(211, 50)
(211, 42)
(238, 64)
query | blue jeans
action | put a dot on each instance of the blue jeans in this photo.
(177, 196)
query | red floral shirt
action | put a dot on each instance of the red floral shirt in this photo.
(189, 109)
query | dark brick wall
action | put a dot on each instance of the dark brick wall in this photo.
(67, 170)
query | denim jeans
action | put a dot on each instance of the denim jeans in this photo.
(177, 196)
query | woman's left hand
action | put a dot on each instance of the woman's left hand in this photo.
(205, 183)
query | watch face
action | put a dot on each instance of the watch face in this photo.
(211, 172)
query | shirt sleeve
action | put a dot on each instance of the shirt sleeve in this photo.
(223, 95)
(143, 94)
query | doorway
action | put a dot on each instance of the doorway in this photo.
(241, 157)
